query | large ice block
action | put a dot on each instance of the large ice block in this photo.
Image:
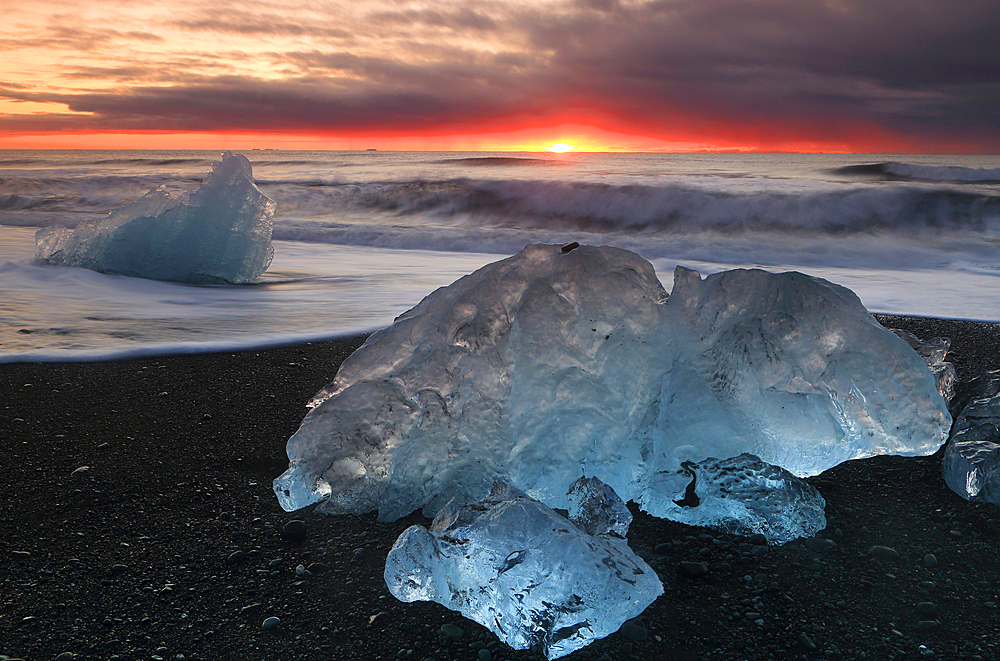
(522, 571)
(221, 234)
(551, 364)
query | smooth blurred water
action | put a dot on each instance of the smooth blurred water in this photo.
(360, 236)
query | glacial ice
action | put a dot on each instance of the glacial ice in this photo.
(553, 364)
(934, 351)
(596, 509)
(971, 464)
(744, 496)
(523, 571)
(222, 234)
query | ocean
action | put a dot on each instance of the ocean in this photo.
(360, 237)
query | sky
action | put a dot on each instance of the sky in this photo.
(862, 76)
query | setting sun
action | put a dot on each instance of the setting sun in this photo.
(560, 148)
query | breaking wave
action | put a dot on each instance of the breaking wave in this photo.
(895, 171)
(644, 209)
(566, 206)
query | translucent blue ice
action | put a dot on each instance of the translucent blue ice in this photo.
(558, 363)
(222, 234)
(522, 571)
(971, 464)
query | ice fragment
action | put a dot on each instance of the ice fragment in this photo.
(523, 571)
(934, 351)
(222, 234)
(743, 496)
(596, 509)
(971, 463)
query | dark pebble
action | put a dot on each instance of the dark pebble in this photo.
(252, 609)
(689, 569)
(883, 553)
(21, 554)
(236, 557)
(819, 544)
(758, 539)
(119, 569)
(926, 609)
(451, 631)
(929, 625)
(294, 530)
(633, 632)
(806, 642)
(270, 623)
(930, 560)
(66, 656)
(318, 567)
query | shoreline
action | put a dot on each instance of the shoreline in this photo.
(170, 541)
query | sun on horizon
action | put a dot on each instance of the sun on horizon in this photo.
(560, 148)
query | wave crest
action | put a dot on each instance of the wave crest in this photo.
(896, 171)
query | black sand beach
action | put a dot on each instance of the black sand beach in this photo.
(138, 522)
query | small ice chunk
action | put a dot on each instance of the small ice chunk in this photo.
(934, 351)
(523, 571)
(743, 496)
(971, 463)
(596, 509)
(222, 234)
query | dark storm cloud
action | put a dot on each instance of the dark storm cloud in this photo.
(757, 71)
(914, 66)
(250, 105)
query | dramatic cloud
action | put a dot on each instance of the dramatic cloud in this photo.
(874, 75)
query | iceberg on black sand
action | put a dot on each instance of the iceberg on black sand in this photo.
(705, 406)
(222, 234)
(525, 572)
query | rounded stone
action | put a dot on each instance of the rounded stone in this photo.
(930, 560)
(270, 623)
(690, 569)
(927, 609)
(452, 631)
(294, 530)
(633, 632)
(883, 553)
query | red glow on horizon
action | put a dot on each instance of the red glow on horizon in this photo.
(583, 136)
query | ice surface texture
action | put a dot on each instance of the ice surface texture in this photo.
(743, 496)
(971, 462)
(222, 234)
(550, 365)
(596, 509)
(934, 351)
(522, 571)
